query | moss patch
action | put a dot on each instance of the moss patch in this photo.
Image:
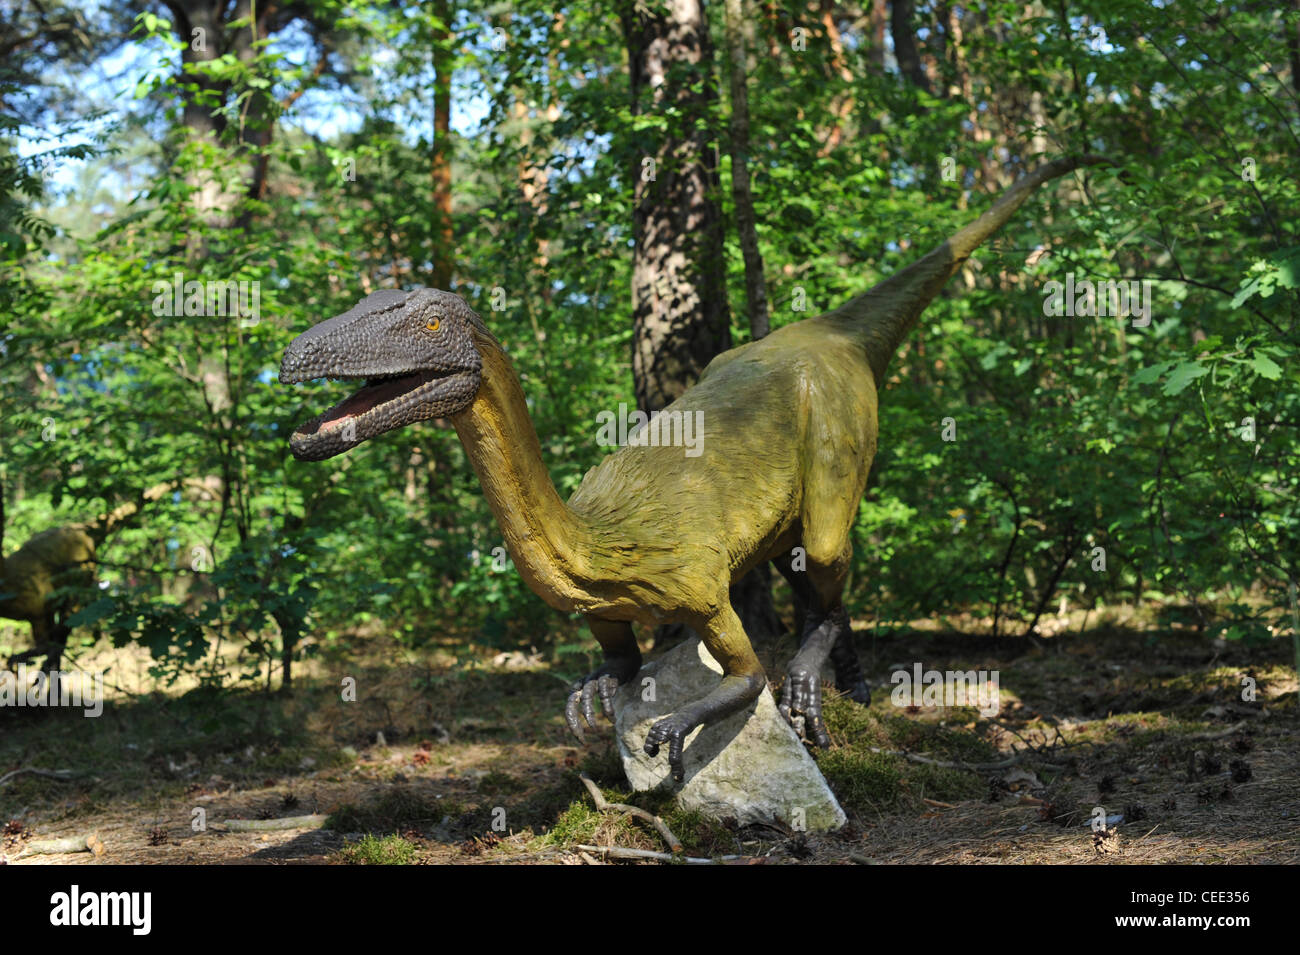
(386, 850)
(866, 781)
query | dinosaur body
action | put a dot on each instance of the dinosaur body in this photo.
(32, 578)
(653, 535)
(38, 582)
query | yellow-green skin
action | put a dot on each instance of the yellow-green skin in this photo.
(53, 559)
(64, 557)
(789, 433)
(655, 535)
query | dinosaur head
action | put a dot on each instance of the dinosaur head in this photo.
(416, 352)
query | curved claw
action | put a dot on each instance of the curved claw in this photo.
(571, 714)
(589, 702)
(608, 687)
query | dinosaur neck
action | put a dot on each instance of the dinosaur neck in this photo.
(890, 310)
(547, 541)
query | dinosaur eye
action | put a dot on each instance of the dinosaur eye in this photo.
(433, 325)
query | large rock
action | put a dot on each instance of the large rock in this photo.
(750, 767)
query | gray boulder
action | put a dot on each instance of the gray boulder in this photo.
(750, 767)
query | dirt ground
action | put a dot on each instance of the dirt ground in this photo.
(1150, 726)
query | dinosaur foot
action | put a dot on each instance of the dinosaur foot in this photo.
(672, 730)
(603, 681)
(848, 668)
(801, 703)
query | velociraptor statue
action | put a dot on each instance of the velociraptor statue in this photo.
(653, 535)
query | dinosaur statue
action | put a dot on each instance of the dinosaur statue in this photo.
(39, 581)
(653, 535)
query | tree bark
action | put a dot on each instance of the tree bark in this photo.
(679, 302)
(679, 294)
(440, 276)
(742, 194)
(909, 59)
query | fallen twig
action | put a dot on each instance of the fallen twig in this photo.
(1200, 737)
(603, 806)
(616, 852)
(273, 825)
(51, 847)
(49, 773)
(950, 764)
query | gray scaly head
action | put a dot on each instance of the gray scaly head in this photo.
(415, 351)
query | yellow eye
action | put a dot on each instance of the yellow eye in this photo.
(433, 325)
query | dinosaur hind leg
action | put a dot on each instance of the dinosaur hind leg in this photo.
(843, 654)
(49, 637)
(58, 642)
(622, 661)
(742, 682)
(849, 678)
(826, 632)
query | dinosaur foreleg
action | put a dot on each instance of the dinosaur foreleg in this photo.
(622, 661)
(742, 682)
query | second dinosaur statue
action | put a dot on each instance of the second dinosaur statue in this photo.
(39, 580)
(653, 535)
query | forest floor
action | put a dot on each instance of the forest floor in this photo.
(1150, 725)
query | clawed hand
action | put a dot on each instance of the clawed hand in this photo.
(672, 730)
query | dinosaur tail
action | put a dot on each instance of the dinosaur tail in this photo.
(888, 312)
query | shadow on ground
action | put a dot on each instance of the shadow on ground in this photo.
(475, 765)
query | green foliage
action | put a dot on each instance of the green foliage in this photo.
(1092, 457)
(576, 825)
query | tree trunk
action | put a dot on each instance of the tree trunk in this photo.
(679, 293)
(909, 59)
(442, 236)
(742, 195)
(679, 302)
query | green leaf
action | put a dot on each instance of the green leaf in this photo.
(1266, 367)
(1184, 375)
(1152, 373)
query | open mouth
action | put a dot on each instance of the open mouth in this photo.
(379, 396)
